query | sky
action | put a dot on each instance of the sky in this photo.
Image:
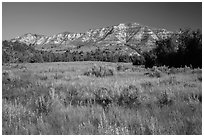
(52, 18)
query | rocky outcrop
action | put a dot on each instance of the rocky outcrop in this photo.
(133, 34)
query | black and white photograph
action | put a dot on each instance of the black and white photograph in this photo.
(102, 68)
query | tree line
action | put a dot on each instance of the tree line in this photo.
(179, 50)
(15, 52)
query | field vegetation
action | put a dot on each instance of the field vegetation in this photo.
(100, 98)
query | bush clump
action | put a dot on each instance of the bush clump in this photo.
(100, 71)
(164, 99)
(129, 96)
(121, 67)
(154, 72)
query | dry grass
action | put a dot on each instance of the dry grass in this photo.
(57, 98)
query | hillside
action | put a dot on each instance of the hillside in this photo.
(128, 37)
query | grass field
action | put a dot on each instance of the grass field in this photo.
(100, 98)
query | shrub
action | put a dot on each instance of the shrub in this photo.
(193, 97)
(150, 59)
(164, 99)
(7, 76)
(163, 69)
(170, 81)
(146, 85)
(100, 71)
(154, 73)
(42, 77)
(103, 97)
(129, 96)
(58, 76)
(121, 67)
(165, 52)
(138, 60)
(199, 77)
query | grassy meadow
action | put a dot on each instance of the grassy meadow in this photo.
(100, 98)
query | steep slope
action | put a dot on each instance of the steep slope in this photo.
(134, 35)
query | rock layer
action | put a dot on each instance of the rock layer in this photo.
(123, 34)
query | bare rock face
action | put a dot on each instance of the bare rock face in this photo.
(121, 35)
